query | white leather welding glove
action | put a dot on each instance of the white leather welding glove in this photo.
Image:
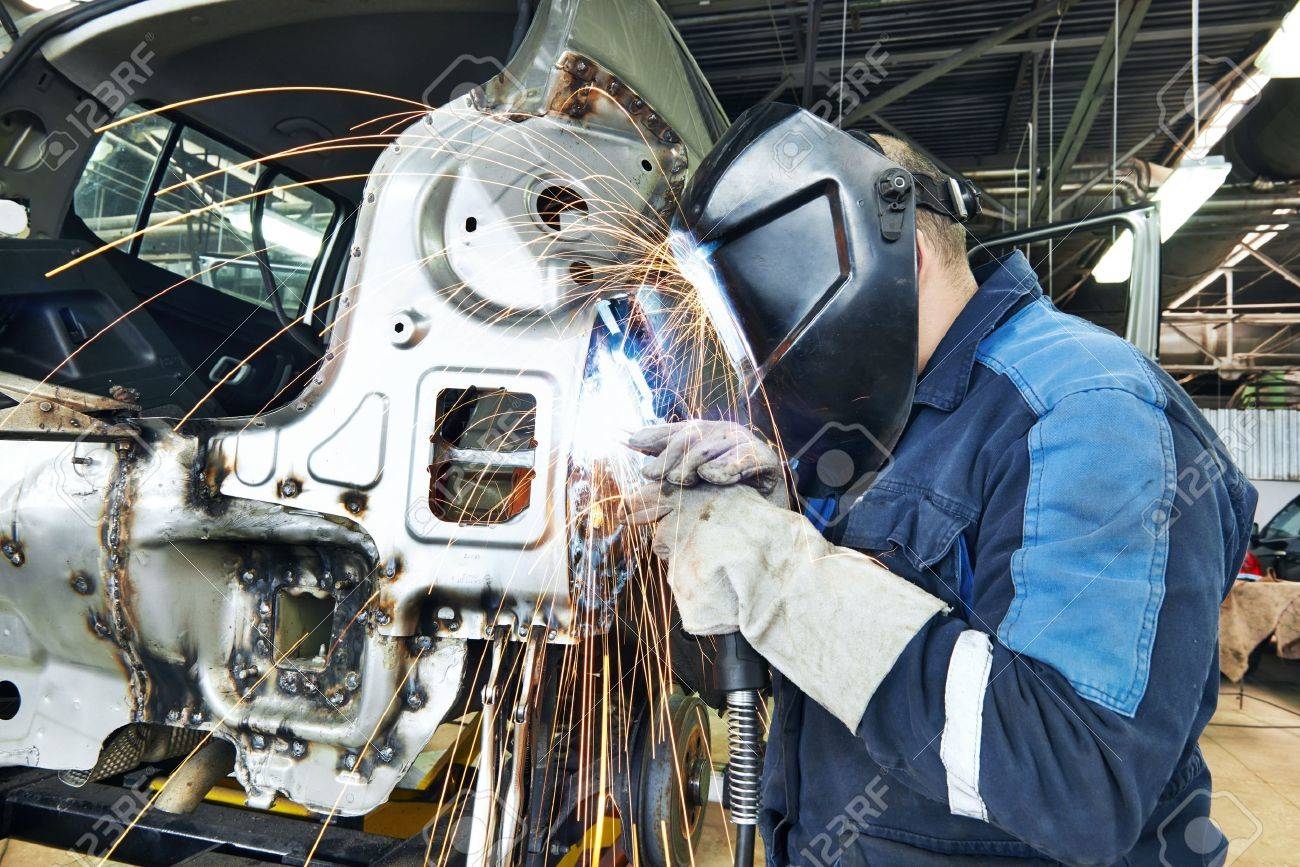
(716, 452)
(830, 619)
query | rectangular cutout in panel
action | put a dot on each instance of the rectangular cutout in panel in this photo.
(484, 451)
(304, 627)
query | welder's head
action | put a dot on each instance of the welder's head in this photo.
(803, 238)
(944, 279)
(941, 236)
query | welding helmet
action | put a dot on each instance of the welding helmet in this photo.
(803, 237)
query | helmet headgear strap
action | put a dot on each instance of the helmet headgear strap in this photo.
(955, 198)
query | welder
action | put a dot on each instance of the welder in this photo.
(1001, 648)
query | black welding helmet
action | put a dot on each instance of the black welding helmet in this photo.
(800, 239)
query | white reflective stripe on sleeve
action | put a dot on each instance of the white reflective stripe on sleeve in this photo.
(963, 724)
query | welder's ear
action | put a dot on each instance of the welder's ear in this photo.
(922, 251)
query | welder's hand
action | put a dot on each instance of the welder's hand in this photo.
(830, 619)
(715, 452)
(705, 598)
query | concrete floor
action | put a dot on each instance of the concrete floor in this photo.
(1253, 749)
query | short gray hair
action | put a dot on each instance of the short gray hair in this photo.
(947, 237)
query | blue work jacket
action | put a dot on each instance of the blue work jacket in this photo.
(1071, 505)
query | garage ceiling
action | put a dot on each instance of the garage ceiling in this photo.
(982, 67)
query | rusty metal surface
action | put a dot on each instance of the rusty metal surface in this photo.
(22, 388)
(55, 409)
(168, 618)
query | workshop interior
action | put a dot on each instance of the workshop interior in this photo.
(324, 325)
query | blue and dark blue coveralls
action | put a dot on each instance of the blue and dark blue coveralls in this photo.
(1083, 522)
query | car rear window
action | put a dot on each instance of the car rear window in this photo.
(1285, 522)
(191, 197)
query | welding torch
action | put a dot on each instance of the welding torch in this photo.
(791, 234)
(741, 674)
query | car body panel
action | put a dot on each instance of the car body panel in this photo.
(161, 572)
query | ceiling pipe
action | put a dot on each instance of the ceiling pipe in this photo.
(1012, 173)
(1248, 202)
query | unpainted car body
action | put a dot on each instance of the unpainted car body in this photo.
(309, 582)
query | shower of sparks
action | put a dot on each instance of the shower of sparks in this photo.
(673, 353)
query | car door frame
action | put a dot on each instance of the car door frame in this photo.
(1142, 326)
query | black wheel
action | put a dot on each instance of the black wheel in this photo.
(672, 787)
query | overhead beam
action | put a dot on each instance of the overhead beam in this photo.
(1110, 56)
(786, 82)
(1023, 69)
(813, 31)
(796, 37)
(768, 71)
(1276, 267)
(962, 57)
(796, 33)
(788, 78)
(1140, 145)
(749, 10)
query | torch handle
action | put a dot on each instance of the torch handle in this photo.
(741, 673)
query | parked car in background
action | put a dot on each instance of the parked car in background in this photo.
(1276, 547)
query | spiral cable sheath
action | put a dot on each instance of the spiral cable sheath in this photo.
(746, 745)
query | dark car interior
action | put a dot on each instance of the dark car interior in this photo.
(221, 241)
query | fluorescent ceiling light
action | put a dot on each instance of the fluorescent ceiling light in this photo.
(1226, 114)
(1251, 241)
(1180, 196)
(44, 5)
(1198, 175)
(1281, 56)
